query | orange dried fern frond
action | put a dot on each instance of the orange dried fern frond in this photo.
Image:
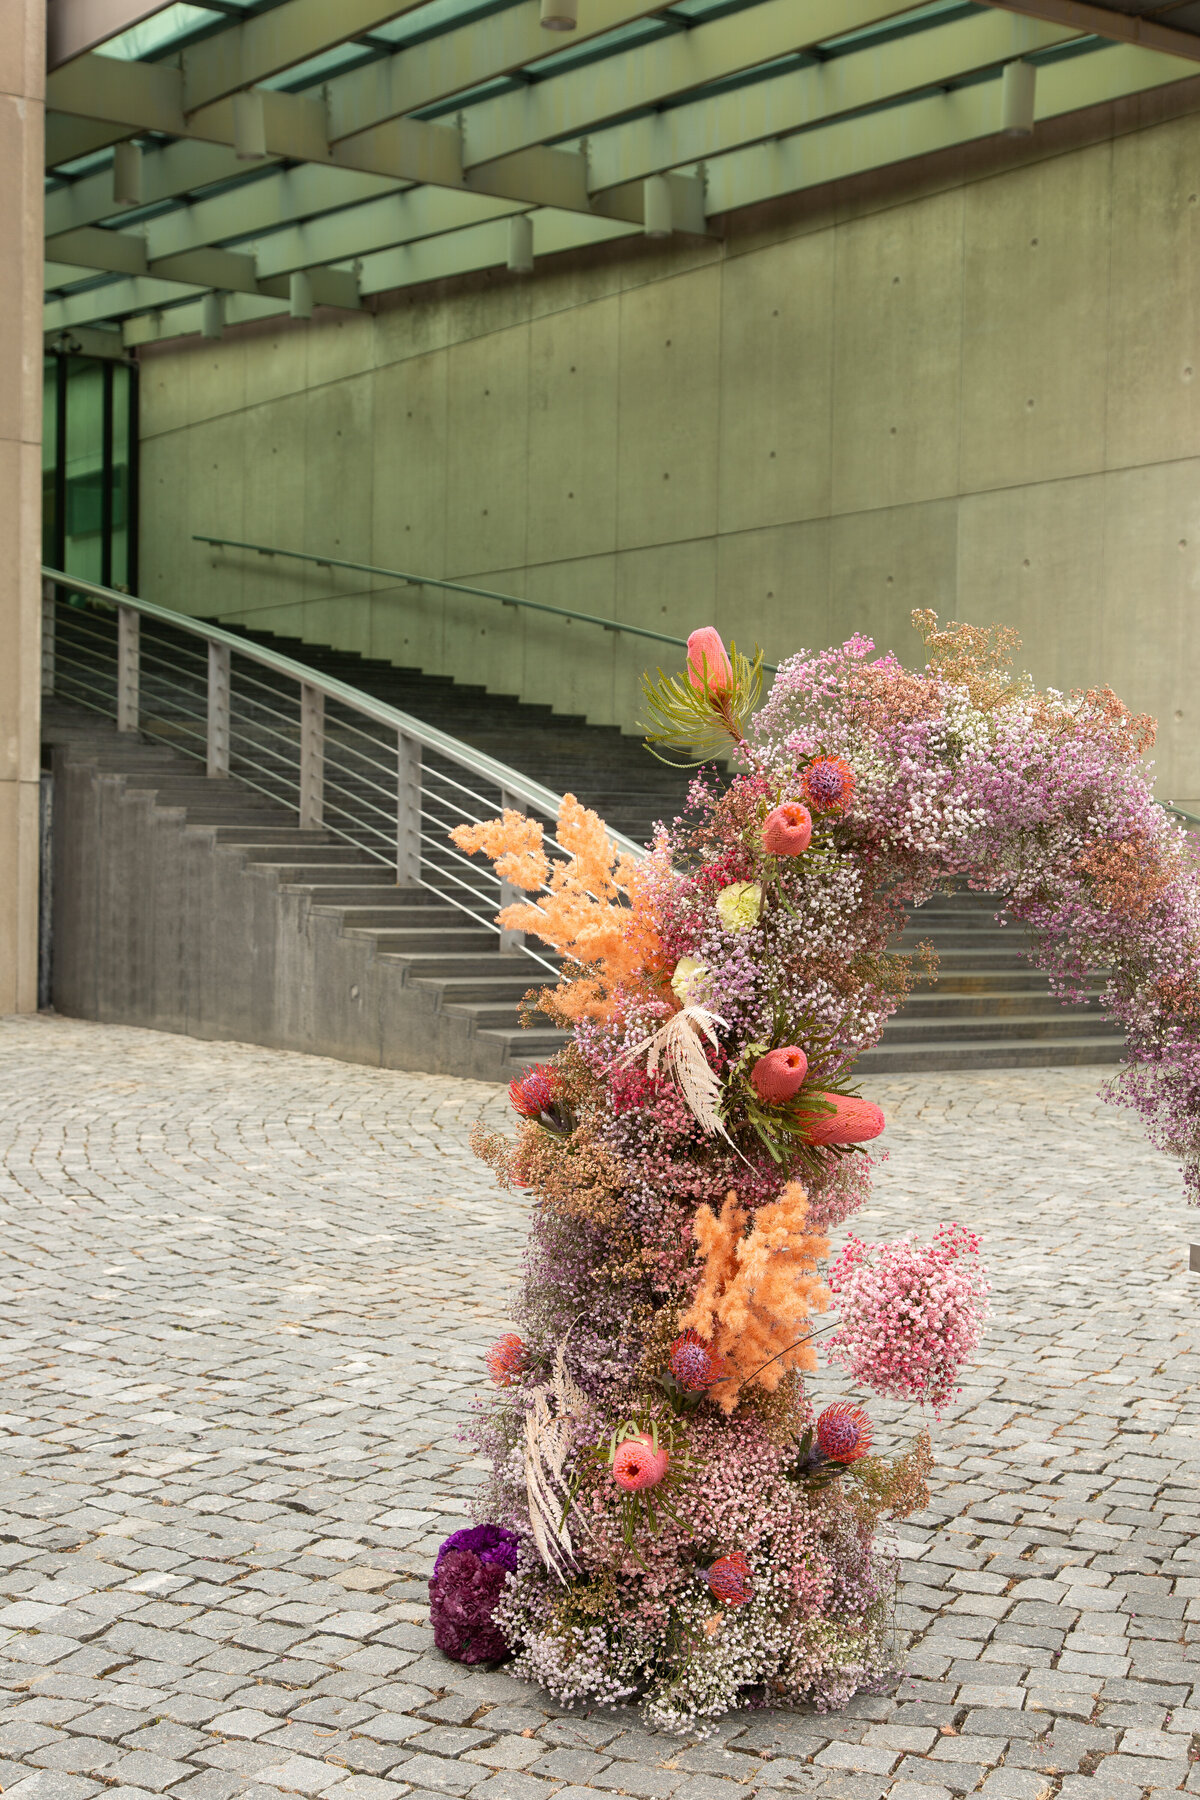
(513, 842)
(594, 907)
(757, 1290)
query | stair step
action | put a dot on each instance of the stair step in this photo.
(1030, 1002)
(409, 942)
(993, 1053)
(1032, 1027)
(430, 915)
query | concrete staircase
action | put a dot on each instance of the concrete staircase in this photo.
(409, 957)
(989, 1009)
(602, 766)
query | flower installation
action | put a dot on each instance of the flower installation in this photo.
(669, 1519)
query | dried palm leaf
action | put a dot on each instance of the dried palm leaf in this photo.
(678, 1047)
(548, 1440)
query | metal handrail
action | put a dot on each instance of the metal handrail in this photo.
(509, 780)
(454, 587)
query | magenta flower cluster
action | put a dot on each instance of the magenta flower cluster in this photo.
(910, 1314)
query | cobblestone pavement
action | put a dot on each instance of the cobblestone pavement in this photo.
(244, 1298)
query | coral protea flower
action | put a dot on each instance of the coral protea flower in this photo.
(729, 1579)
(852, 1121)
(779, 1075)
(693, 1363)
(507, 1359)
(843, 1432)
(707, 657)
(788, 830)
(533, 1093)
(637, 1464)
(828, 784)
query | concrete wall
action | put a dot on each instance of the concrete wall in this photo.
(22, 81)
(972, 384)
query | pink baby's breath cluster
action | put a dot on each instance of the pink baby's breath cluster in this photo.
(911, 1314)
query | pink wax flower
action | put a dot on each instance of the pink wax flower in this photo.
(788, 830)
(911, 1314)
(706, 655)
(852, 1121)
(638, 1464)
(779, 1075)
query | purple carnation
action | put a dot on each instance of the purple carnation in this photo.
(490, 1543)
(462, 1596)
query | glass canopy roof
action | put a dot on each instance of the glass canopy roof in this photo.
(218, 162)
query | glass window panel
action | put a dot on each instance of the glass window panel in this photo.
(49, 457)
(121, 472)
(165, 28)
(85, 467)
(438, 16)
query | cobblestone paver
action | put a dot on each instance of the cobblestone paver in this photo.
(243, 1300)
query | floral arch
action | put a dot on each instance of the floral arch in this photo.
(667, 1520)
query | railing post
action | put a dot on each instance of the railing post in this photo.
(312, 757)
(128, 624)
(218, 709)
(510, 941)
(48, 593)
(408, 811)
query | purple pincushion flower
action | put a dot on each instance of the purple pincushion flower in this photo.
(468, 1577)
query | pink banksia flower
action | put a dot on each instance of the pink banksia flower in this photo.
(534, 1092)
(787, 831)
(708, 658)
(507, 1360)
(852, 1121)
(828, 784)
(729, 1579)
(637, 1464)
(844, 1432)
(693, 1363)
(779, 1075)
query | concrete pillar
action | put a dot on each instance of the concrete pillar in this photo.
(22, 87)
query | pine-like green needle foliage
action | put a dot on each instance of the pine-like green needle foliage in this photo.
(698, 720)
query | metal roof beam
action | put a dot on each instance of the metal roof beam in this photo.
(269, 43)
(74, 26)
(149, 97)
(464, 58)
(804, 98)
(189, 165)
(579, 100)
(1119, 28)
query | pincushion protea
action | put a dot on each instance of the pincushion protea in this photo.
(828, 784)
(507, 1359)
(533, 1093)
(693, 1363)
(843, 1432)
(729, 1579)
